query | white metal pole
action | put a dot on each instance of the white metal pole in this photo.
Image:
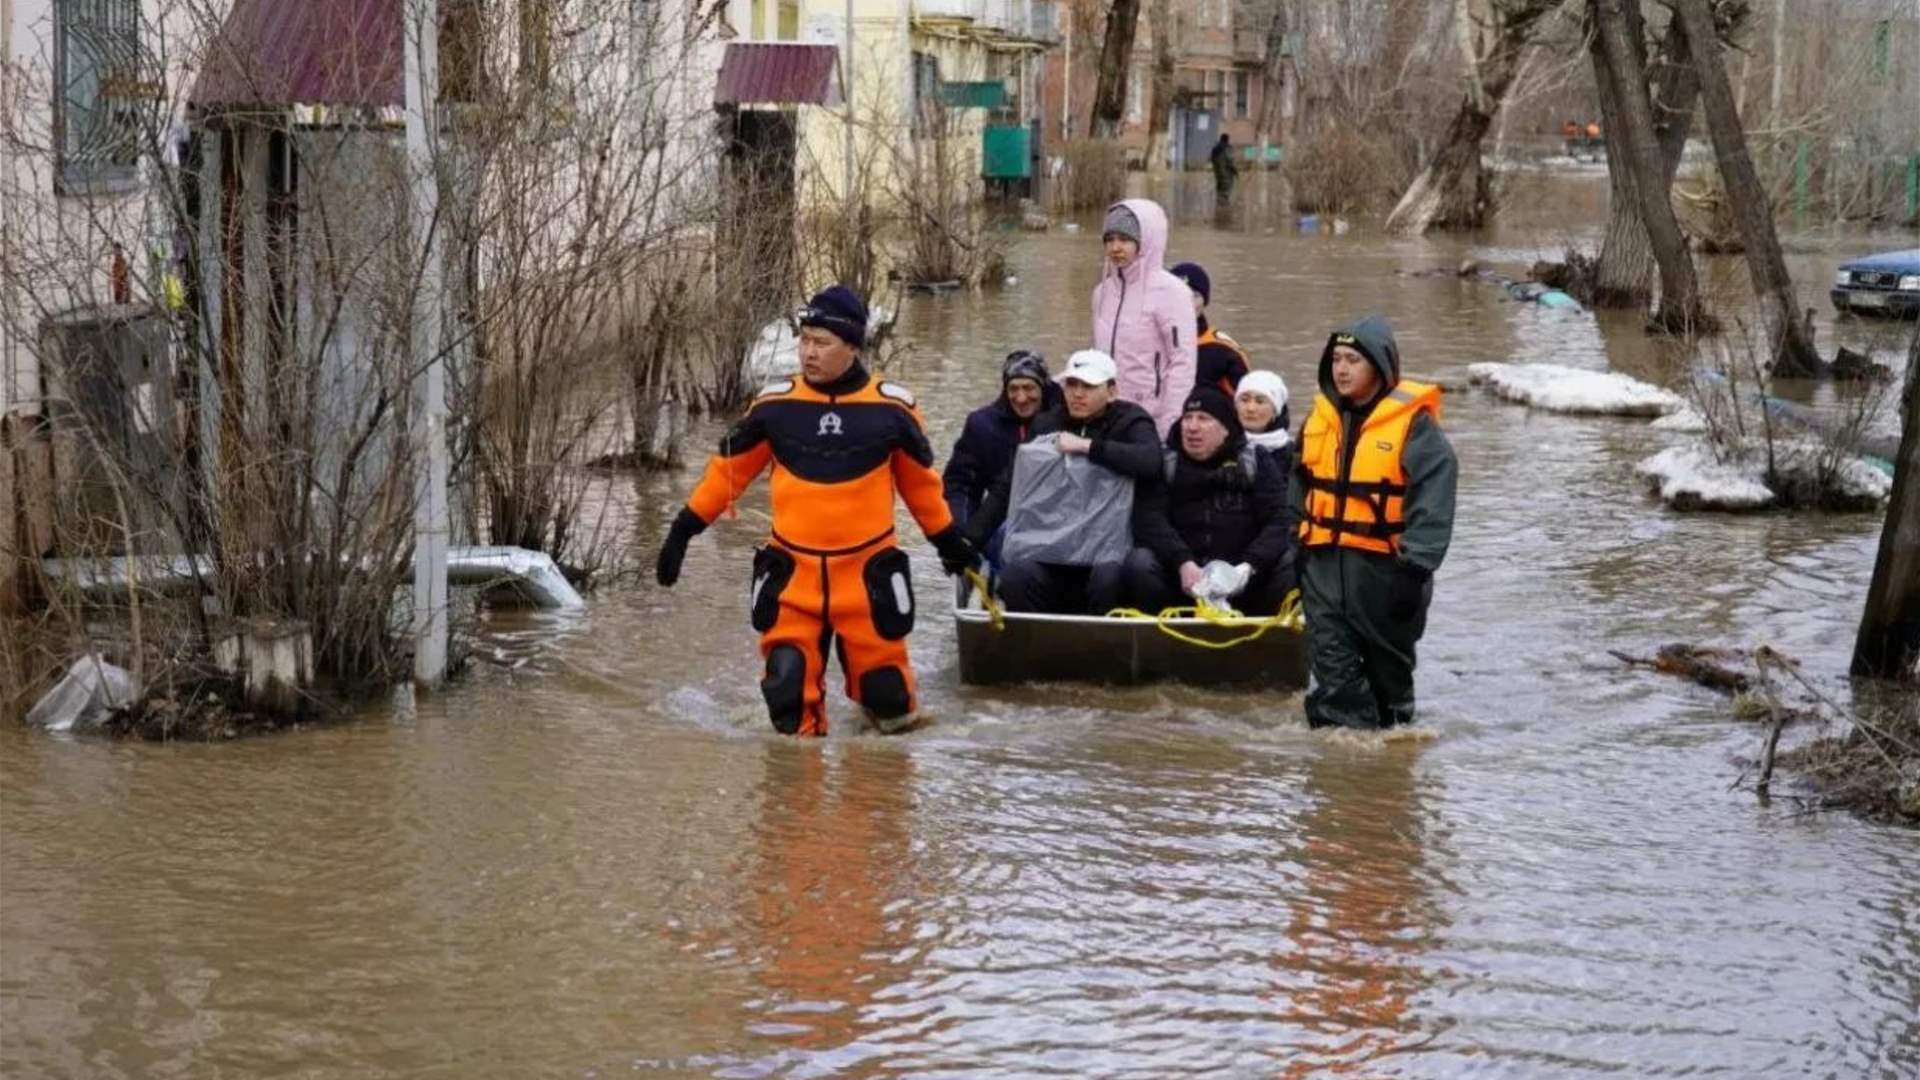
(846, 69)
(430, 524)
(1066, 82)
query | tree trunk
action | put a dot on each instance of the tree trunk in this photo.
(1454, 191)
(1273, 73)
(1789, 338)
(1116, 56)
(1888, 645)
(1623, 275)
(1162, 97)
(1635, 150)
(1451, 192)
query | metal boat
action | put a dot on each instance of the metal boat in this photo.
(1109, 649)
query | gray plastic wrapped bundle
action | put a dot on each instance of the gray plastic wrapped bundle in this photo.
(1066, 510)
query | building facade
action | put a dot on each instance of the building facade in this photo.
(1221, 81)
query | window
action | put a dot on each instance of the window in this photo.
(101, 94)
(1242, 94)
(1134, 110)
(926, 90)
(642, 16)
(462, 57)
(537, 19)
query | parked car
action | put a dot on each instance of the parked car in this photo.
(1884, 284)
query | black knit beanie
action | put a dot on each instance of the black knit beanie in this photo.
(1214, 403)
(839, 311)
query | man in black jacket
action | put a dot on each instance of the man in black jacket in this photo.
(1117, 435)
(1218, 499)
(993, 432)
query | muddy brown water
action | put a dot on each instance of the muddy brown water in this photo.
(592, 860)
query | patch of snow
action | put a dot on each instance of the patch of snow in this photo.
(1687, 420)
(775, 354)
(1557, 388)
(1689, 477)
(1693, 476)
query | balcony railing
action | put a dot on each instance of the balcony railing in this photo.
(975, 10)
(1035, 20)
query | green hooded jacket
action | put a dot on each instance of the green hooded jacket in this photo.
(1384, 596)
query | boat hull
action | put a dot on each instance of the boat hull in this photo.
(1074, 648)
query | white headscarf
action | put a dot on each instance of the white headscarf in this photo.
(1272, 387)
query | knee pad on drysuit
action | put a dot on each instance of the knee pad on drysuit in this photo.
(883, 692)
(785, 688)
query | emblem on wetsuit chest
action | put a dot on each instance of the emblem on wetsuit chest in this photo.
(829, 424)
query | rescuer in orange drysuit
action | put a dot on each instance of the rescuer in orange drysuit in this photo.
(840, 444)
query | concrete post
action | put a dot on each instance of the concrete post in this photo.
(430, 521)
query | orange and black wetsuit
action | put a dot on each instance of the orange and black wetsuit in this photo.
(830, 573)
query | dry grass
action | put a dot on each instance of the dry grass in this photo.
(1873, 767)
(1093, 176)
(1341, 171)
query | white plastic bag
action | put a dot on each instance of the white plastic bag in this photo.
(1220, 582)
(84, 696)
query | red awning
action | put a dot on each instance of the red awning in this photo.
(782, 73)
(278, 53)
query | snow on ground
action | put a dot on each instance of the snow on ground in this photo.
(1692, 476)
(1557, 388)
(775, 354)
(1687, 420)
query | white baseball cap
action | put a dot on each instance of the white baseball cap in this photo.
(1090, 366)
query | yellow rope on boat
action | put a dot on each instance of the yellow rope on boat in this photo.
(1289, 617)
(995, 617)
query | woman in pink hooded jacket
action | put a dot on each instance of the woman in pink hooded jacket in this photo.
(1143, 315)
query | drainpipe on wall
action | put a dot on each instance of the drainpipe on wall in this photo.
(906, 58)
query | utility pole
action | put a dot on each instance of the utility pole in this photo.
(1066, 81)
(846, 73)
(430, 524)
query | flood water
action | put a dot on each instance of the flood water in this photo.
(593, 859)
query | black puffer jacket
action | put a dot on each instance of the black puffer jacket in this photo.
(1218, 509)
(1124, 438)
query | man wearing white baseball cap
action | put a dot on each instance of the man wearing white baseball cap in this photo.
(1116, 435)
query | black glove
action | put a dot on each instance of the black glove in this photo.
(956, 551)
(686, 526)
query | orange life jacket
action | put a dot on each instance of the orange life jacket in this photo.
(1364, 508)
(1213, 336)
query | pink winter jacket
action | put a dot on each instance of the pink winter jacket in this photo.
(1143, 318)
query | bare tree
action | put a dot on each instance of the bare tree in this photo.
(1888, 643)
(1453, 190)
(1623, 273)
(1271, 18)
(1789, 336)
(1636, 147)
(1116, 61)
(1161, 26)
